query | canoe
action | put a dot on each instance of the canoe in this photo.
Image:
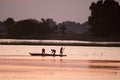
(40, 54)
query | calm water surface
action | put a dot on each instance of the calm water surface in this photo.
(72, 52)
(16, 63)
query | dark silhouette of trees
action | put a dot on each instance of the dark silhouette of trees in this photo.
(45, 27)
(34, 29)
(52, 25)
(9, 23)
(105, 18)
(1, 27)
(30, 27)
(55, 28)
(25, 27)
(62, 27)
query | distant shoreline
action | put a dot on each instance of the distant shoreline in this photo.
(58, 43)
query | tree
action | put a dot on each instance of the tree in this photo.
(25, 27)
(1, 27)
(45, 26)
(62, 28)
(55, 29)
(53, 25)
(9, 24)
(105, 18)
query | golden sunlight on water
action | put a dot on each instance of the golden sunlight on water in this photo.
(32, 68)
(81, 63)
(72, 52)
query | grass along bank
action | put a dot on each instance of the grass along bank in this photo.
(58, 42)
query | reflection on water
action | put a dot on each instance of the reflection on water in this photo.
(72, 52)
(18, 64)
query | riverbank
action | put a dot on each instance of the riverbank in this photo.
(58, 42)
(32, 68)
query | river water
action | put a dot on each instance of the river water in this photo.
(72, 52)
(81, 63)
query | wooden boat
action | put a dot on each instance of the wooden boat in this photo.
(40, 54)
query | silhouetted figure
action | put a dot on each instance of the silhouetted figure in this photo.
(43, 51)
(53, 51)
(61, 50)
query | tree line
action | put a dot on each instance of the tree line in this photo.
(104, 21)
(31, 27)
(105, 18)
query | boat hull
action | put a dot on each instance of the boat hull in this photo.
(40, 54)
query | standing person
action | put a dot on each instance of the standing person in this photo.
(61, 50)
(43, 51)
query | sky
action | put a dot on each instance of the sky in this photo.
(59, 10)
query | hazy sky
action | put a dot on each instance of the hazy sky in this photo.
(59, 10)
